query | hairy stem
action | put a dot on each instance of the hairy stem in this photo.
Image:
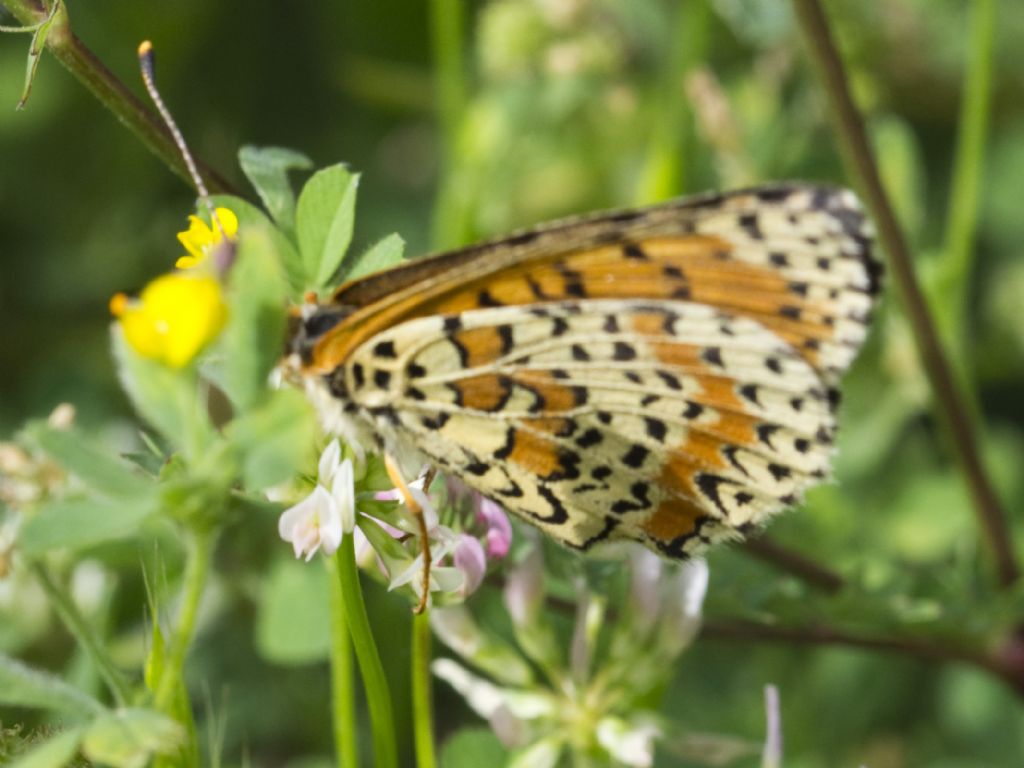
(952, 407)
(197, 568)
(111, 92)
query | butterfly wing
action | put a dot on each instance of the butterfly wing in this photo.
(666, 374)
(795, 258)
(668, 422)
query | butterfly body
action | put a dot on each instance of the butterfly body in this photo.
(665, 375)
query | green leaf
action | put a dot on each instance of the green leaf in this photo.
(385, 253)
(128, 737)
(78, 523)
(99, 471)
(35, 51)
(324, 220)
(251, 217)
(166, 398)
(292, 623)
(253, 340)
(22, 686)
(471, 748)
(267, 169)
(52, 753)
(274, 440)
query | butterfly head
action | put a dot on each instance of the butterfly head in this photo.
(309, 323)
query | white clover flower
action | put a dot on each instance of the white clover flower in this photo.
(318, 522)
(593, 697)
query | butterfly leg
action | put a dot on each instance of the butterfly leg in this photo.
(417, 512)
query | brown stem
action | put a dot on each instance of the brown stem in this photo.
(111, 92)
(1005, 663)
(953, 411)
(794, 563)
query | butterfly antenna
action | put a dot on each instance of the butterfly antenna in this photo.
(147, 65)
(417, 512)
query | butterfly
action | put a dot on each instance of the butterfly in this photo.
(665, 374)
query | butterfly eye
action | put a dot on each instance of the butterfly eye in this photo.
(307, 330)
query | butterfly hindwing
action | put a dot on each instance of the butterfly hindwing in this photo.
(667, 422)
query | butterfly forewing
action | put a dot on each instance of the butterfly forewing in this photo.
(665, 375)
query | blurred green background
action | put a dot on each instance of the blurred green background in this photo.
(570, 105)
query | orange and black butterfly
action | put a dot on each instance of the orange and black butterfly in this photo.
(666, 374)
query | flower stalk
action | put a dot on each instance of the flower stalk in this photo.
(343, 707)
(197, 568)
(382, 721)
(422, 698)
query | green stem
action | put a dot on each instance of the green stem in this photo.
(83, 633)
(422, 700)
(343, 706)
(197, 567)
(447, 24)
(382, 721)
(969, 165)
(111, 92)
(663, 175)
(953, 410)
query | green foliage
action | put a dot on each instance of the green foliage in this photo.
(267, 168)
(294, 596)
(561, 108)
(323, 221)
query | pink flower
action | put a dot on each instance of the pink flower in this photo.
(469, 558)
(499, 530)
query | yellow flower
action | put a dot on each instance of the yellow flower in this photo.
(200, 238)
(175, 316)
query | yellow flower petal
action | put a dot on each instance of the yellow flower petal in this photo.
(175, 317)
(200, 238)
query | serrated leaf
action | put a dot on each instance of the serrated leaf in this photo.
(23, 686)
(323, 222)
(385, 253)
(52, 753)
(78, 523)
(249, 216)
(99, 471)
(127, 738)
(274, 439)
(267, 169)
(254, 337)
(293, 622)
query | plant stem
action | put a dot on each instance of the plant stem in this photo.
(343, 706)
(664, 172)
(953, 410)
(83, 634)
(197, 567)
(969, 165)
(447, 25)
(794, 563)
(111, 92)
(382, 721)
(422, 700)
(1005, 662)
